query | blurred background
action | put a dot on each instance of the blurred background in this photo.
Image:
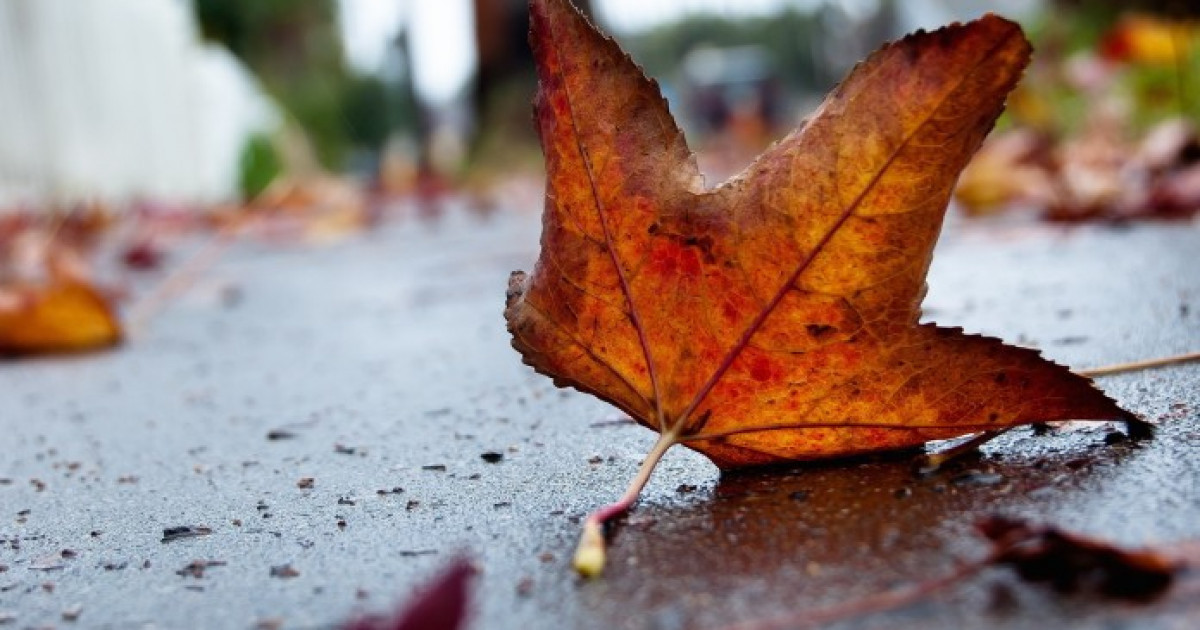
(318, 118)
(121, 102)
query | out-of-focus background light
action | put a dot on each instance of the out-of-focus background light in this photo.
(204, 101)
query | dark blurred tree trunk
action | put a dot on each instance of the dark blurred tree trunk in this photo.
(505, 62)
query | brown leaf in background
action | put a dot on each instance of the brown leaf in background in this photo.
(1073, 562)
(1099, 133)
(1009, 169)
(774, 317)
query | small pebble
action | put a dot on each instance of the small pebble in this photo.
(284, 571)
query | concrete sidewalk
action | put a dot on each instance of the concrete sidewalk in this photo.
(338, 423)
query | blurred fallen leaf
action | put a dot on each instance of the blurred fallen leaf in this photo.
(440, 605)
(1072, 562)
(1099, 174)
(65, 315)
(142, 255)
(48, 304)
(314, 209)
(1010, 169)
(1102, 130)
(1149, 39)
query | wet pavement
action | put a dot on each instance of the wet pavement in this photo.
(334, 424)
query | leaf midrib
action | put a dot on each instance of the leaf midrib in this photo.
(609, 245)
(756, 324)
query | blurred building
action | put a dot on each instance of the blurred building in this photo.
(119, 100)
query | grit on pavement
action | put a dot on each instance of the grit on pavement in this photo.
(310, 433)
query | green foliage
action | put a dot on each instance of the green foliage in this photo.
(1160, 92)
(284, 38)
(1068, 36)
(260, 165)
(371, 110)
(295, 49)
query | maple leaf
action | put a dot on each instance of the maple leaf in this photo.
(774, 317)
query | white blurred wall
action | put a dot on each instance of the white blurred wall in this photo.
(118, 100)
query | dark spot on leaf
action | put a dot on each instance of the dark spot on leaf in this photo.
(819, 331)
(1115, 437)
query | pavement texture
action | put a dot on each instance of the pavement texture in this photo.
(338, 423)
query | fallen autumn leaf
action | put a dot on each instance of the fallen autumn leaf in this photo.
(774, 317)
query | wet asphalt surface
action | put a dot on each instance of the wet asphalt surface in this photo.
(339, 422)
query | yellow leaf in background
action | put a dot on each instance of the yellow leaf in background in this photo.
(65, 316)
(1150, 40)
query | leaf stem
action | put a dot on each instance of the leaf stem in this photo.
(1133, 366)
(932, 462)
(590, 555)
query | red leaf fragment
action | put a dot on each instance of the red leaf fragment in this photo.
(441, 605)
(1071, 562)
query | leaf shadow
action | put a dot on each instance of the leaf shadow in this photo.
(807, 536)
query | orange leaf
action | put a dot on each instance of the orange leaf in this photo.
(66, 315)
(773, 317)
